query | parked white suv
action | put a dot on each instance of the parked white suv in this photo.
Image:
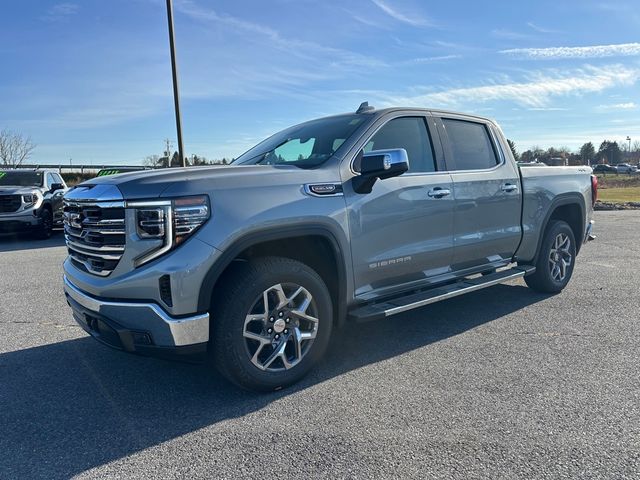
(626, 168)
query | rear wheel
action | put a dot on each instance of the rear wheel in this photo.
(45, 229)
(556, 259)
(271, 323)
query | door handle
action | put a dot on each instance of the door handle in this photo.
(438, 192)
(509, 187)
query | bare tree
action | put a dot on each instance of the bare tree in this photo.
(14, 148)
(151, 161)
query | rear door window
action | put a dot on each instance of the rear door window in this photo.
(470, 145)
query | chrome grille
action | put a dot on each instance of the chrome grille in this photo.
(95, 234)
(10, 203)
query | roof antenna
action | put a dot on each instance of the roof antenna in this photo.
(365, 108)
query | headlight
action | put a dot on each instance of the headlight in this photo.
(30, 199)
(171, 221)
(150, 222)
(188, 215)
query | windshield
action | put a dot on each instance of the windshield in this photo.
(306, 145)
(20, 179)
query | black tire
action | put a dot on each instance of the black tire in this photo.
(548, 277)
(45, 229)
(240, 296)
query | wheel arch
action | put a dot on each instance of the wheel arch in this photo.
(569, 207)
(309, 244)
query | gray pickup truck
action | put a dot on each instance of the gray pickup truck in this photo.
(353, 217)
(31, 201)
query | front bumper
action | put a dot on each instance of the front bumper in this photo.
(19, 222)
(137, 327)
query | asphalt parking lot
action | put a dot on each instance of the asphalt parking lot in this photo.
(502, 383)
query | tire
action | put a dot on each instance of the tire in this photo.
(45, 229)
(556, 259)
(262, 348)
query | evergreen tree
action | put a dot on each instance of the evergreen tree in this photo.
(512, 146)
(587, 153)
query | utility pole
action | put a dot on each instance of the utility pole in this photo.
(168, 151)
(174, 72)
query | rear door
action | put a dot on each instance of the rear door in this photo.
(402, 232)
(486, 184)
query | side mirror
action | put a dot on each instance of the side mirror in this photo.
(379, 164)
(56, 186)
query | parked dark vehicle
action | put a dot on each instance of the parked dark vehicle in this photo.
(31, 200)
(604, 168)
(355, 217)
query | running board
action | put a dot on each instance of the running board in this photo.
(377, 311)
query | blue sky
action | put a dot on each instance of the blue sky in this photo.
(90, 80)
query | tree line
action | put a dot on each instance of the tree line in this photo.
(610, 152)
(170, 158)
(173, 160)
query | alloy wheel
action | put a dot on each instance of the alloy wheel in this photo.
(560, 257)
(280, 327)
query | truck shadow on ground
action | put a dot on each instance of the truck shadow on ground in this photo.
(74, 405)
(24, 241)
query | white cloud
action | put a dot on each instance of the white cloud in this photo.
(437, 58)
(619, 106)
(271, 38)
(548, 109)
(364, 20)
(410, 19)
(593, 51)
(534, 93)
(540, 29)
(508, 34)
(206, 14)
(61, 11)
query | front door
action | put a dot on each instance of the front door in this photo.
(402, 232)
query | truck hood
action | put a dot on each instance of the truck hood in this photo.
(148, 184)
(18, 190)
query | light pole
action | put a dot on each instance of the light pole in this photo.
(629, 140)
(174, 72)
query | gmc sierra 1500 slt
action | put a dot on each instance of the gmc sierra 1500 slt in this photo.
(357, 217)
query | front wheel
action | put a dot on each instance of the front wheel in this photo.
(556, 259)
(271, 323)
(45, 229)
